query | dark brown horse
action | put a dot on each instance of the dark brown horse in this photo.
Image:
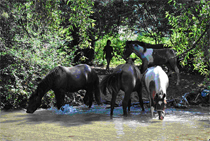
(152, 57)
(125, 77)
(67, 79)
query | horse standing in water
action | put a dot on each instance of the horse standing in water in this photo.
(125, 77)
(152, 57)
(156, 82)
(67, 79)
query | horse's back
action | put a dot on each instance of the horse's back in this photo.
(156, 75)
(77, 77)
(128, 69)
(130, 76)
(156, 71)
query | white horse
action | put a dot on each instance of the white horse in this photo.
(156, 82)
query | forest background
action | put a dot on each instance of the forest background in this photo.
(38, 35)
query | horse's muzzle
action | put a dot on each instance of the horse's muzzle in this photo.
(160, 107)
(29, 110)
(161, 115)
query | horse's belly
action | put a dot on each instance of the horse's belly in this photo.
(72, 87)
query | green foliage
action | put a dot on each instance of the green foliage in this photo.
(76, 15)
(118, 44)
(117, 47)
(188, 25)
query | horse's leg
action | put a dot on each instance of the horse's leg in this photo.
(126, 101)
(139, 91)
(114, 95)
(85, 99)
(150, 104)
(97, 92)
(173, 65)
(129, 105)
(151, 96)
(177, 74)
(170, 69)
(59, 95)
(89, 93)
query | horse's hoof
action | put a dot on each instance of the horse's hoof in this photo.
(125, 115)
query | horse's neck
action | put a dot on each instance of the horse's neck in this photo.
(139, 51)
(42, 89)
(139, 48)
(148, 52)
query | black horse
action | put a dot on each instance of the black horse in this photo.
(152, 57)
(125, 77)
(67, 79)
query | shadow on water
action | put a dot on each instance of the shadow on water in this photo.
(73, 116)
(79, 115)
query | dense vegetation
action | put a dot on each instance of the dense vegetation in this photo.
(38, 35)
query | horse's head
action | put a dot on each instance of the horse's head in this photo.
(127, 50)
(133, 46)
(160, 102)
(34, 102)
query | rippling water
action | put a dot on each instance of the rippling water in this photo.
(82, 123)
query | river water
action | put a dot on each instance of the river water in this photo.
(81, 123)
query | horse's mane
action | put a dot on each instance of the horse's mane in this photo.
(148, 45)
(47, 82)
(137, 42)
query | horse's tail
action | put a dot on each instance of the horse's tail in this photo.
(97, 92)
(111, 82)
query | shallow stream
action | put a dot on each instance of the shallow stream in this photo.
(81, 123)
